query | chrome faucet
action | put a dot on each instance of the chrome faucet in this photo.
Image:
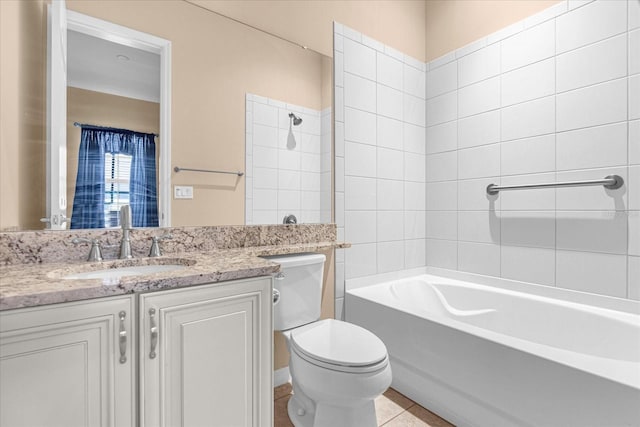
(95, 254)
(125, 223)
(155, 245)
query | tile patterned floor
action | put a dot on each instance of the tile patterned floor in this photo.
(392, 410)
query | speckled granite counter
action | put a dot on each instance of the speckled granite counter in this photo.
(29, 279)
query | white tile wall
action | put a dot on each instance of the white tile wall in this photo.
(529, 155)
(359, 126)
(390, 195)
(442, 80)
(359, 93)
(528, 228)
(359, 59)
(533, 265)
(479, 258)
(476, 130)
(479, 97)
(479, 162)
(382, 204)
(443, 108)
(442, 166)
(414, 138)
(592, 272)
(529, 46)
(553, 97)
(415, 253)
(563, 104)
(527, 83)
(389, 131)
(531, 118)
(389, 102)
(389, 71)
(590, 24)
(478, 226)
(591, 106)
(634, 277)
(442, 253)
(480, 65)
(442, 137)
(600, 146)
(285, 167)
(595, 63)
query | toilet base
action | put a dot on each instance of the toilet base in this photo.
(303, 413)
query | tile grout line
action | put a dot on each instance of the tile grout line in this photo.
(393, 418)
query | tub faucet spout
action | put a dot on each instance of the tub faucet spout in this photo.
(125, 224)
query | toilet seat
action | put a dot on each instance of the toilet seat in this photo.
(339, 346)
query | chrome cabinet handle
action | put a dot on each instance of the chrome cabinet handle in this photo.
(123, 338)
(276, 296)
(154, 333)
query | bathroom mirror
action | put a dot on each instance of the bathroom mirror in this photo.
(215, 63)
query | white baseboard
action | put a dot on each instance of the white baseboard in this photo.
(281, 376)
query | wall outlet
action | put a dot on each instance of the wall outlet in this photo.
(182, 192)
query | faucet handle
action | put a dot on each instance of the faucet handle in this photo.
(155, 245)
(95, 253)
(125, 217)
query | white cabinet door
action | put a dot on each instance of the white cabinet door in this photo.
(210, 363)
(64, 365)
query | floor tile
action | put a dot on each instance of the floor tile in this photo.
(280, 416)
(392, 410)
(417, 416)
(391, 404)
(281, 391)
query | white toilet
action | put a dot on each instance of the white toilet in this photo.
(337, 368)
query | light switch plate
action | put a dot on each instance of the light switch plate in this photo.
(182, 192)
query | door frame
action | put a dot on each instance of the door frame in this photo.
(136, 39)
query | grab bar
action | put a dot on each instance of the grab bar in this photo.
(178, 169)
(611, 182)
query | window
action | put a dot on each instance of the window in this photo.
(117, 171)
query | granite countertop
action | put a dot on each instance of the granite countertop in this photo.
(39, 284)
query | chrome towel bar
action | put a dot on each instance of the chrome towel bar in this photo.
(178, 169)
(611, 182)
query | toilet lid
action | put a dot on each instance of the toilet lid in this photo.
(339, 343)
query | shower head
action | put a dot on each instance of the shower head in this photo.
(296, 120)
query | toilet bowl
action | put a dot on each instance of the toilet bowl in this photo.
(337, 368)
(337, 371)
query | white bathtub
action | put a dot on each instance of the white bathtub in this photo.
(485, 356)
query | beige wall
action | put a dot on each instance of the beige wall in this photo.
(101, 109)
(215, 61)
(451, 24)
(22, 114)
(397, 23)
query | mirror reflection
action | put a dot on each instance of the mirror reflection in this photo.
(113, 100)
(288, 163)
(215, 63)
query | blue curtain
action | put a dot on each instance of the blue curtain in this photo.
(88, 203)
(143, 191)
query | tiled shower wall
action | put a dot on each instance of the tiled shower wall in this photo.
(551, 98)
(555, 97)
(379, 158)
(288, 167)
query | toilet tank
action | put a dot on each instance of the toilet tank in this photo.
(300, 285)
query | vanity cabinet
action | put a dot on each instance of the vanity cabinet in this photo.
(205, 355)
(69, 364)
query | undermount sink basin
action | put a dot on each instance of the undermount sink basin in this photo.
(116, 273)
